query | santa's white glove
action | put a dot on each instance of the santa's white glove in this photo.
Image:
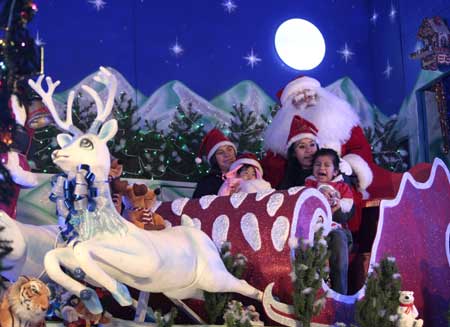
(18, 110)
(18, 174)
(345, 167)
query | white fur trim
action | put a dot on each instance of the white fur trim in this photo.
(246, 161)
(346, 204)
(361, 169)
(297, 85)
(300, 137)
(217, 146)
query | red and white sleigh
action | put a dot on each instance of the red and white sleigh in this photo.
(414, 227)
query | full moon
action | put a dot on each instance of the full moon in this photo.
(299, 44)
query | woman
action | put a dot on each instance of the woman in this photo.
(302, 147)
(220, 153)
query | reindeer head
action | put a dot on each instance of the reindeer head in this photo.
(77, 147)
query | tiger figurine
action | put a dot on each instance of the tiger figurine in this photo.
(25, 303)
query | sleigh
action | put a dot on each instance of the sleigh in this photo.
(413, 226)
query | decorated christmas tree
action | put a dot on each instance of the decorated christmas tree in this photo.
(309, 269)
(19, 60)
(387, 152)
(246, 130)
(378, 308)
(185, 134)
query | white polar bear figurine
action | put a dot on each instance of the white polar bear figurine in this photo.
(407, 311)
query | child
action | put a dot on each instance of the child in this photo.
(328, 180)
(245, 175)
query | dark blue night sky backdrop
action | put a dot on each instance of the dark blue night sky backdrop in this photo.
(134, 37)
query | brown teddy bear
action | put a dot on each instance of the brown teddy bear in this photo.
(139, 200)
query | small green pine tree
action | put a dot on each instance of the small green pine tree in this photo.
(309, 269)
(387, 152)
(215, 303)
(184, 137)
(236, 315)
(167, 320)
(246, 130)
(378, 308)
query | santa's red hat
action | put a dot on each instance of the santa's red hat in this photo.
(300, 129)
(247, 159)
(298, 84)
(210, 143)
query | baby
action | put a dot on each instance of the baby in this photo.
(328, 180)
(245, 175)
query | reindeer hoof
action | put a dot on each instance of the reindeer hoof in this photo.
(79, 274)
(122, 295)
(91, 301)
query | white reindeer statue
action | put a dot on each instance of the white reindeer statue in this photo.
(111, 252)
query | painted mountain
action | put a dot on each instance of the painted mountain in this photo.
(347, 90)
(249, 94)
(161, 105)
(123, 86)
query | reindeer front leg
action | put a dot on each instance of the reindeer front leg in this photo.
(53, 261)
(84, 254)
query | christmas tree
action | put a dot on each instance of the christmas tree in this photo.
(215, 303)
(378, 308)
(246, 130)
(387, 152)
(309, 269)
(184, 137)
(19, 61)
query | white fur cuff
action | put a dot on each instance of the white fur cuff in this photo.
(361, 169)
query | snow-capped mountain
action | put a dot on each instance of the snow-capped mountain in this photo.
(122, 86)
(347, 90)
(161, 106)
(249, 94)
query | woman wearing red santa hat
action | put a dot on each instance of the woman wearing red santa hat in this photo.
(301, 148)
(220, 153)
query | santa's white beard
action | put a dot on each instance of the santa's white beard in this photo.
(333, 117)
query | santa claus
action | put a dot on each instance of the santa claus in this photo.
(338, 128)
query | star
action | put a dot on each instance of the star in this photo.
(252, 59)
(387, 72)
(38, 41)
(346, 53)
(392, 13)
(229, 6)
(176, 49)
(374, 17)
(98, 4)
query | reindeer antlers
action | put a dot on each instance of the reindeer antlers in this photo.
(47, 98)
(104, 77)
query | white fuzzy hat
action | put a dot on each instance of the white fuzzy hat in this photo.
(298, 84)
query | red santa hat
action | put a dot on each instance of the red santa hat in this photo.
(298, 84)
(300, 129)
(246, 159)
(210, 143)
